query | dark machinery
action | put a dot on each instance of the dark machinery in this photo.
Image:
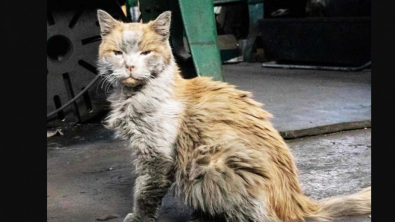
(332, 33)
(73, 38)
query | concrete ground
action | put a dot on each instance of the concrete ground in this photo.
(302, 99)
(89, 179)
(90, 174)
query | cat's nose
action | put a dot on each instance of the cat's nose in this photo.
(130, 68)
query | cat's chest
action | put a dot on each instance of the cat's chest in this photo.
(150, 127)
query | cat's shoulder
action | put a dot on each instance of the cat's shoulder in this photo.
(220, 100)
(205, 90)
(207, 86)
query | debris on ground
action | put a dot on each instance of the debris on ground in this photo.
(108, 217)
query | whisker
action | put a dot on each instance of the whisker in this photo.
(102, 80)
(110, 84)
(106, 85)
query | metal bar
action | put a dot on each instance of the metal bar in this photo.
(221, 2)
(177, 32)
(75, 98)
(255, 11)
(199, 25)
(132, 10)
(333, 68)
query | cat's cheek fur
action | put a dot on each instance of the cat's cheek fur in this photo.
(110, 65)
(104, 67)
(155, 64)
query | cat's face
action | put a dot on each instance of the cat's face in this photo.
(131, 54)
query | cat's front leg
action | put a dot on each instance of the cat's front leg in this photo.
(150, 188)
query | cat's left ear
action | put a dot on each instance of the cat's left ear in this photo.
(106, 21)
(161, 25)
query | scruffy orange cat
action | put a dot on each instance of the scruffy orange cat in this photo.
(212, 141)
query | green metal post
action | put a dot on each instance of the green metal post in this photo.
(199, 24)
(255, 9)
(177, 32)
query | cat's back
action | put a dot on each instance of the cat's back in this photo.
(220, 111)
(220, 101)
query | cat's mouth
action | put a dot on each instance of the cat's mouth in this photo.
(130, 82)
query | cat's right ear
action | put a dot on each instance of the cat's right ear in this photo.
(106, 22)
(161, 25)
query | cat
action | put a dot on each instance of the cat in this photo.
(213, 142)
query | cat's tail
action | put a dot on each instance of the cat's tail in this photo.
(339, 206)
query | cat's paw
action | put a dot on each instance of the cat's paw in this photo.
(195, 220)
(130, 218)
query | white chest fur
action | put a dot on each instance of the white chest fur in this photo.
(149, 118)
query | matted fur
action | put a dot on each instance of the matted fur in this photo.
(209, 139)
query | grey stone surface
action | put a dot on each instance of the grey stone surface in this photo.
(90, 175)
(301, 99)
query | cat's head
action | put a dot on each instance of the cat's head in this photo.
(131, 54)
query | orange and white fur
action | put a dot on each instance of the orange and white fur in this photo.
(211, 140)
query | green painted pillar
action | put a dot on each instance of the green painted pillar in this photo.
(255, 9)
(199, 25)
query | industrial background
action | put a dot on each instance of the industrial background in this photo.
(308, 61)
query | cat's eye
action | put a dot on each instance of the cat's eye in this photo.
(117, 52)
(145, 53)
